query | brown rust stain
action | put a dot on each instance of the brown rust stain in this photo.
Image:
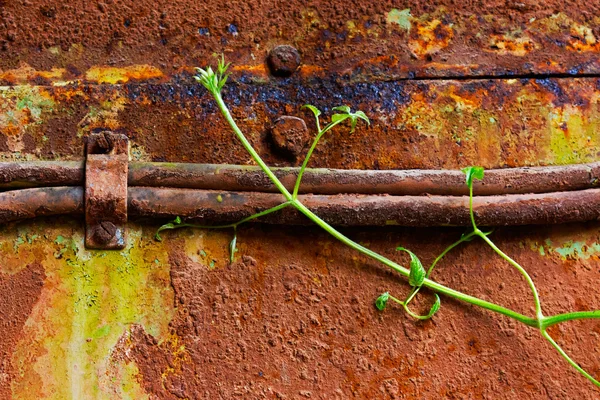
(301, 321)
(19, 292)
(170, 36)
(415, 124)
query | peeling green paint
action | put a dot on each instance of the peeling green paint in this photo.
(574, 249)
(88, 302)
(400, 17)
(583, 249)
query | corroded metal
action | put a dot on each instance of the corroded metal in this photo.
(215, 207)
(106, 165)
(318, 181)
(415, 124)
(375, 41)
(445, 84)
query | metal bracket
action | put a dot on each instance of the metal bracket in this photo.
(106, 168)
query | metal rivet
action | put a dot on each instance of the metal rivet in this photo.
(289, 135)
(283, 60)
(104, 232)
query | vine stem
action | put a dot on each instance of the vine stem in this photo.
(478, 232)
(310, 151)
(569, 360)
(350, 243)
(540, 321)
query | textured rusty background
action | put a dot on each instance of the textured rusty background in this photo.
(446, 84)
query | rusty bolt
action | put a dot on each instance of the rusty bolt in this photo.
(104, 232)
(283, 60)
(289, 135)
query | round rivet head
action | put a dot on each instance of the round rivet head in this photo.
(283, 60)
(104, 232)
(289, 135)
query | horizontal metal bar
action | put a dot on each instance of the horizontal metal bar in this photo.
(208, 206)
(317, 181)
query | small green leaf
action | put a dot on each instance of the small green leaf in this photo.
(473, 173)
(362, 116)
(339, 117)
(314, 110)
(162, 228)
(417, 272)
(382, 300)
(344, 109)
(171, 225)
(435, 307)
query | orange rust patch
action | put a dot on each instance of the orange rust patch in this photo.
(583, 39)
(26, 74)
(114, 75)
(517, 46)
(428, 38)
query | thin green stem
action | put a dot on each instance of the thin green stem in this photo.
(235, 224)
(536, 298)
(309, 154)
(557, 319)
(415, 290)
(328, 228)
(408, 311)
(248, 146)
(569, 360)
(471, 213)
(465, 238)
(476, 231)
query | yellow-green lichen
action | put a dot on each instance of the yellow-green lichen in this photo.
(88, 302)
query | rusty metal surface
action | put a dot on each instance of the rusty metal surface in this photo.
(106, 166)
(14, 175)
(215, 207)
(415, 124)
(175, 318)
(446, 85)
(375, 40)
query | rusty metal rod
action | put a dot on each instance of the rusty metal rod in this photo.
(204, 206)
(317, 181)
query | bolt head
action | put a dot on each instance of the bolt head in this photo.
(283, 60)
(104, 232)
(289, 135)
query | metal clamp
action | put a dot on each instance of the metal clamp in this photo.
(106, 168)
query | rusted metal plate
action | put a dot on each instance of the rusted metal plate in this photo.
(415, 124)
(106, 167)
(174, 319)
(293, 316)
(366, 41)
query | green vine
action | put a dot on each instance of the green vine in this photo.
(214, 81)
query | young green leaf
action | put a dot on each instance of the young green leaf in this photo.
(347, 113)
(314, 110)
(435, 307)
(171, 225)
(473, 173)
(344, 109)
(382, 300)
(339, 117)
(417, 272)
(362, 116)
